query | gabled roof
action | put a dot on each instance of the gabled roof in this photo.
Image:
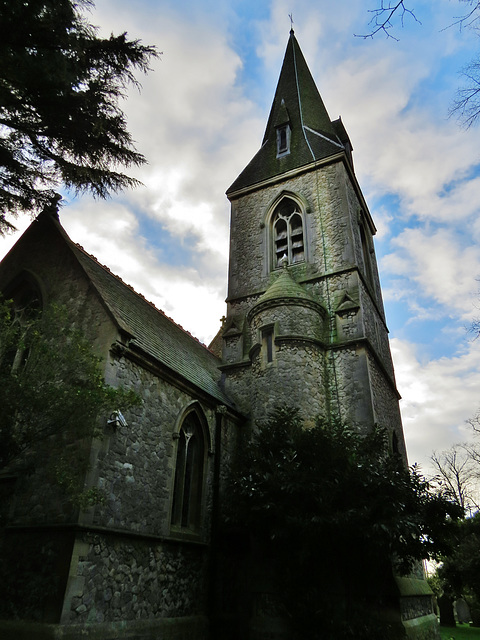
(152, 331)
(313, 135)
(149, 329)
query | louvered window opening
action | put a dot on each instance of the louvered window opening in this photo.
(288, 234)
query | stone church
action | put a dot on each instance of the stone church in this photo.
(305, 325)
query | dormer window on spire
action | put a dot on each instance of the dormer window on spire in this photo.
(283, 130)
(283, 140)
(287, 230)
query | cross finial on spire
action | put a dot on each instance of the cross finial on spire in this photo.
(290, 15)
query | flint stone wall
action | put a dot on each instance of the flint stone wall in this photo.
(135, 464)
(120, 579)
(289, 320)
(332, 228)
(385, 403)
(349, 386)
(295, 377)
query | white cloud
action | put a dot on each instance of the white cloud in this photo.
(441, 266)
(180, 291)
(195, 127)
(438, 397)
(409, 150)
(198, 130)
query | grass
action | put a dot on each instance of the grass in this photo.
(460, 632)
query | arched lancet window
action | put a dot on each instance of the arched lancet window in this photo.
(287, 233)
(26, 306)
(189, 471)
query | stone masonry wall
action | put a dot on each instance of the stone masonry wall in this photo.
(130, 579)
(332, 230)
(375, 330)
(289, 320)
(358, 218)
(296, 377)
(349, 387)
(135, 464)
(128, 567)
(385, 402)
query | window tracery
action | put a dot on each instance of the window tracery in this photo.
(189, 472)
(288, 234)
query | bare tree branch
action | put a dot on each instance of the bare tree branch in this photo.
(469, 19)
(467, 102)
(457, 476)
(382, 18)
(466, 105)
(475, 423)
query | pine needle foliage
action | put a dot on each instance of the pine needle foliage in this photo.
(60, 119)
(52, 396)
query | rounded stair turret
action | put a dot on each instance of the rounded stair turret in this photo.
(288, 351)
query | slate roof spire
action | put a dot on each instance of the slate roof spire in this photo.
(313, 136)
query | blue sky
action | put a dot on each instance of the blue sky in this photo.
(200, 118)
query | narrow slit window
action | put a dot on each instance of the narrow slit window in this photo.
(267, 343)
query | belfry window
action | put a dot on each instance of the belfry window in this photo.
(188, 487)
(288, 234)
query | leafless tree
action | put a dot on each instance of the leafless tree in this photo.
(457, 475)
(383, 17)
(466, 105)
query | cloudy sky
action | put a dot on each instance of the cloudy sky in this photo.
(200, 118)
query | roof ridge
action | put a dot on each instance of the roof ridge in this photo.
(140, 295)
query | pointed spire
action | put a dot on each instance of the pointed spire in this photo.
(297, 89)
(297, 105)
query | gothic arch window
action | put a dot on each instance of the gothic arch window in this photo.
(189, 474)
(288, 233)
(26, 306)
(25, 295)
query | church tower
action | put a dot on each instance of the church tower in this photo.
(305, 322)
